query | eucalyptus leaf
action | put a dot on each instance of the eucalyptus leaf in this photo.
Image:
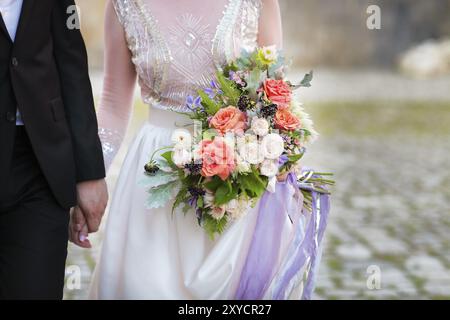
(163, 165)
(159, 196)
(160, 178)
(306, 82)
(254, 80)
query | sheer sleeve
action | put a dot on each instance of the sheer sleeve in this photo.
(118, 87)
(270, 27)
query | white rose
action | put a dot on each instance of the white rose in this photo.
(260, 126)
(251, 152)
(246, 138)
(182, 139)
(217, 212)
(181, 157)
(269, 168)
(272, 146)
(242, 166)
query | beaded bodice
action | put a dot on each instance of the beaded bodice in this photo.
(176, 45)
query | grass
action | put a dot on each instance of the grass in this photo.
(381, 118)
(371, 118)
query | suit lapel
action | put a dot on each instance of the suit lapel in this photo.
(27, 7)
(3, 28)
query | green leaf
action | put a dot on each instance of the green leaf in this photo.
(186, 208)
(159, 196)
(210, 134)
(229, 89)
(200, 202)
(210, 105)
(295, 157)
(225, 193)
(230, 67)
(253, 184)
(213, 226)
(181, 197)
(168, 157)
(214, 184)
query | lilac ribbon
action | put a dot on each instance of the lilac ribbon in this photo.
(263, 255)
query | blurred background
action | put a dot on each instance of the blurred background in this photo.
(381, 101)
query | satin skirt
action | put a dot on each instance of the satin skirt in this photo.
(152, 254)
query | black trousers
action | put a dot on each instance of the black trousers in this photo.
(33, 231)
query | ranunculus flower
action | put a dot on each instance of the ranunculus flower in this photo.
(182, 139)
(217, 158)
(279, 92)
(272, 146)
(229, 119)
(286, 120)
(260, 126)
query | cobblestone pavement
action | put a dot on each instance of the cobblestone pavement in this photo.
(390, 208)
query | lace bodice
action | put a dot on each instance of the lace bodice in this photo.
(173, 47)
(176, 53)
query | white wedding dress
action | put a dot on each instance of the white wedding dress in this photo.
(173, 47)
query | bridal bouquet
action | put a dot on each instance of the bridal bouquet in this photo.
(249, 132)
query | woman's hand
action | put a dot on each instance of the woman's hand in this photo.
(78, 230)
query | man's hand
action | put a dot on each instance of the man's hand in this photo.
(92, 201)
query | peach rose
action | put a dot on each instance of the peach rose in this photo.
(286, 120)
(279, 92)
(229, 119)
(217, 158)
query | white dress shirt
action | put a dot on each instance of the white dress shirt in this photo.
(10, 11)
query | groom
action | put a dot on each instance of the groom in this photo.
(50, 153)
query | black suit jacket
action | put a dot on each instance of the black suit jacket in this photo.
(44, 74)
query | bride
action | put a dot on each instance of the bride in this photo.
(173, 48)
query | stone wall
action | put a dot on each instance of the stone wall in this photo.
(328, 32)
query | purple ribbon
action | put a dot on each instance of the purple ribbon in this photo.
(264, 252)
